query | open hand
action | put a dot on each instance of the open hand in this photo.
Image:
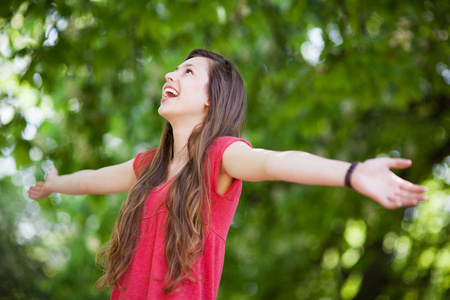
(42, 189)
(373, 178)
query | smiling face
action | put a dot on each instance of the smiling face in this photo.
(185, 93)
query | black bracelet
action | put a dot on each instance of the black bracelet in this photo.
(348, 176)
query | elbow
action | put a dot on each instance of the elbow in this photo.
(279, 166)
(82, 186)
(271, 168)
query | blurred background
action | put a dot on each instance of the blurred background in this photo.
(80, 84)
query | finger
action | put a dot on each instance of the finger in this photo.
(413, 188)
(422, 198)
(36, 195)
(411, 201)
(33, 194)
(33, 189)
(37, 187)
(408, 198)
(414, 193)
(402, 198)
(398, 163)
(393, 202)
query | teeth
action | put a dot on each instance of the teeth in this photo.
(171, 91)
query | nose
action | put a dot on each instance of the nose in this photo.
(170, 76)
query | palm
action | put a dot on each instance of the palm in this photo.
(374, 179)
(41, 189)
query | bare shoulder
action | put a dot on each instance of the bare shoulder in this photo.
(236, 148)
(244, 162)
(235, 152)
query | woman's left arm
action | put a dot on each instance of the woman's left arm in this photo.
(372, 178)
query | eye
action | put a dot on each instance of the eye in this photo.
(189, 71)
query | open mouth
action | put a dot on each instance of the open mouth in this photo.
(170, 93)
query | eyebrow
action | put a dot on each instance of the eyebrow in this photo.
(186, 65)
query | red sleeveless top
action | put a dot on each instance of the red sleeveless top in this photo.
(144, 277)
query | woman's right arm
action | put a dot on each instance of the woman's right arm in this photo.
(114, 179)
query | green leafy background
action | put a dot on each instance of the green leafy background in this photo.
(80, 84)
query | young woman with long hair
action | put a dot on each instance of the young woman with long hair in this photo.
(169, 238)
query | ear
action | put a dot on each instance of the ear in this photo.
(207, 103)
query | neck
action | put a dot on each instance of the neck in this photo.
(181, 136)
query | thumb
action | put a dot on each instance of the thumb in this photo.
(398, 163)
(53, 172)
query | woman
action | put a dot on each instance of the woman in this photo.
(169, 239)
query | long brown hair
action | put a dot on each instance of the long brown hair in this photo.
(189, 192)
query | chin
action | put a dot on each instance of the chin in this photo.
(161, 112)
(166, 113)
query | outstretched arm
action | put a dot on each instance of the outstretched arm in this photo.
(114, 179)
(372, 178)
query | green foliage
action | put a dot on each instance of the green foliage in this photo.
(80, 85)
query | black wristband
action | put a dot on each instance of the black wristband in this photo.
(348, 176)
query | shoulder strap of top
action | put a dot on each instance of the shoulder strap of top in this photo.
(216, 151)
(142, 160)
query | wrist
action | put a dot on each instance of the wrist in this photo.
(51, 185)
(349, 174)
(47, 188)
